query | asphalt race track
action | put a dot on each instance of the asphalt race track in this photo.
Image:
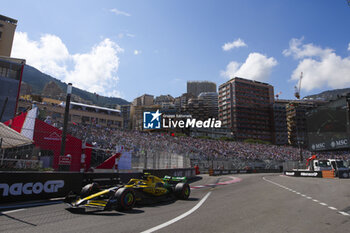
(245, 203)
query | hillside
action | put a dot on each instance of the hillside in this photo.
(37, 81)
(329, 95)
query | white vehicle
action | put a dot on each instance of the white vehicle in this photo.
(338, 165)
(320, 165)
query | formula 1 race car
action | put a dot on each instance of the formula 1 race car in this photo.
(124, 197)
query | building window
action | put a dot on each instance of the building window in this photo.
(0, 34)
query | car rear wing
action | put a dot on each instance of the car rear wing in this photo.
(175, 179)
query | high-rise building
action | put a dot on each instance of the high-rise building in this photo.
(144, 100)
(136, 115)
(165, 101)
(125, 109)
(196, 108)
(280, 122)
(11, 70)
(210, 100)
(245, 106)
(296, 120)
(197, 87)
(181, 101)
(10, 81)
(139, 105)
(7, 32)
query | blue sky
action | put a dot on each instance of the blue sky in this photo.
(128, 48)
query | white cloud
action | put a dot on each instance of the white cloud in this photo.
(256, 67)
(94, 71)
(321, 67)
(118, 12)
(234, 44)
(298, 50)
(137, 52)
(47, 54)
(349, 47)
(121, 35)
(177, 81)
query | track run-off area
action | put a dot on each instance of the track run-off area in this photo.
(233, 203)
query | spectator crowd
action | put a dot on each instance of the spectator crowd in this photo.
(112, 139)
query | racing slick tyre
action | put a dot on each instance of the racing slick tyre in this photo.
(182, 191)
(125, 199)
(89, 189)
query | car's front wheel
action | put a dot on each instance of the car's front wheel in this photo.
(125, 199)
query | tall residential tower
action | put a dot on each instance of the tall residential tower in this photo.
(7, 32)
(197, 87)
(245, 106)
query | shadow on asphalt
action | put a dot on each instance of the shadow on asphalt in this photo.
(193, 199)
(192, 180)
(102, 212)
(133, 211)
(18, 220)
(163, 203)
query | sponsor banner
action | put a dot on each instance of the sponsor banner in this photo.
(217, 172)
(326, 134)
(54, 136)
(290, 173)
(304, 173)
(333, 144)
(64, 160)
(24, 186)
(310, 174)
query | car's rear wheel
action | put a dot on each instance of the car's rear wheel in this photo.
(182, 191)
(89, 189)
(125, 198)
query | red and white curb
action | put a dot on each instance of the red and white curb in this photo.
(232, 181)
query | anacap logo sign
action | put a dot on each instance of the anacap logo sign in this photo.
(151, 120)
(50, 186)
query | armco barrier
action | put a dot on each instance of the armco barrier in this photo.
(108, 178)
(227, 172)
(24, 186)
(342, 174)
(188, 172)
